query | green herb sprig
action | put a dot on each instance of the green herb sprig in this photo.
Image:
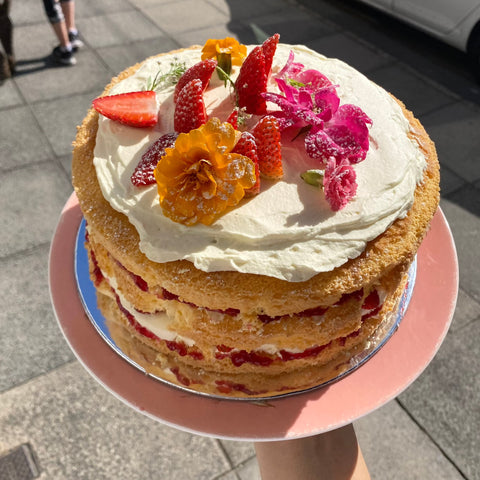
(164, 80)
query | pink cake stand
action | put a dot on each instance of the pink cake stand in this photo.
(390, 371)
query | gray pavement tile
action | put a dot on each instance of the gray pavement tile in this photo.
(66, 164)
(444, 400)
(395, 448)
(238, 452)
(80, 431)
(117, 28)
(185, 15)
(199, 37)
(21, 146)
(293, 24)
(347, 48)
(91, 8)
(31, 199)
(50, 83)
(468, 198)
(430, 57)
(454, 129)
(143, 4)
(9, 94)
(59, 119)
(466, 311)
(249, 470)
(31, 342)
(417, 94)
(465, 228)
(449, 181)
(33, 44)
(249, 9)
(119, 57)
(228, 476)
(27, 11)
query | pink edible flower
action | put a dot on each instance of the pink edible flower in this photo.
(339, 183)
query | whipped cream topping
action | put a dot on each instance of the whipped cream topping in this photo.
(287, 231)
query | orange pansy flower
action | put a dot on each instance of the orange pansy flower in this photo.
(199, 178)
(213, 48)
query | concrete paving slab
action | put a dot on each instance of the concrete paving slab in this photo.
(9, 94)
(118, 58)
(238, 452)
(21, 146)
(249, 470)
(184, 16)
(414, 91)
(466, 230)
(59, 118)
(293, 24)
(80, 431)
(250, 9)
(396, 448)
(50, 81)
(444, 400)
(25, 12)
(466, 312)
(449, 181)
(352, 51)
(32, 199)
(27, 314)
(454, 129)
(117, 28)
(199, 37)
(93, 8)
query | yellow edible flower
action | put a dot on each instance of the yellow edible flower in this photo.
(200, 177)
(214, 48)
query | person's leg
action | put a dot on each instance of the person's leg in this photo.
(57, 20)
(68, 9)
(63, 54)
(334, 455)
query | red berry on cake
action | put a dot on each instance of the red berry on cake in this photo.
(202, 70)
(269, 147)
(135, 109)
(190, 110)
(233, 119)
(247, 147)
(143, 173)
(269, 47)
(252, 82)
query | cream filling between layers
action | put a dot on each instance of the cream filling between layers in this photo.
(287, 231)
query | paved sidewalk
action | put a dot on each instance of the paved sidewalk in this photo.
(56, 422)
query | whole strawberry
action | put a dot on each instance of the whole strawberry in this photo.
(143, 173)
(269, 147)
(190, 110)
(202, 70)
(135, 109)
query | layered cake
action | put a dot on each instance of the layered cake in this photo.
(251, 212)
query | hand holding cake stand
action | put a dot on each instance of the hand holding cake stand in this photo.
(302, 417)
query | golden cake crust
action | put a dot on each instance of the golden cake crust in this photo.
(250, 292)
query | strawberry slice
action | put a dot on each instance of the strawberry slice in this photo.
(135, 109)
(269, 146)
(202, 70)
(233, 119)
(252, 82)
(143, 173)
(269, 47)
(190, 110)
(247, 146)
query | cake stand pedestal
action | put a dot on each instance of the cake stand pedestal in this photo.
(398, 363)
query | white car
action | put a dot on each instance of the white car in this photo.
(456, 22)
